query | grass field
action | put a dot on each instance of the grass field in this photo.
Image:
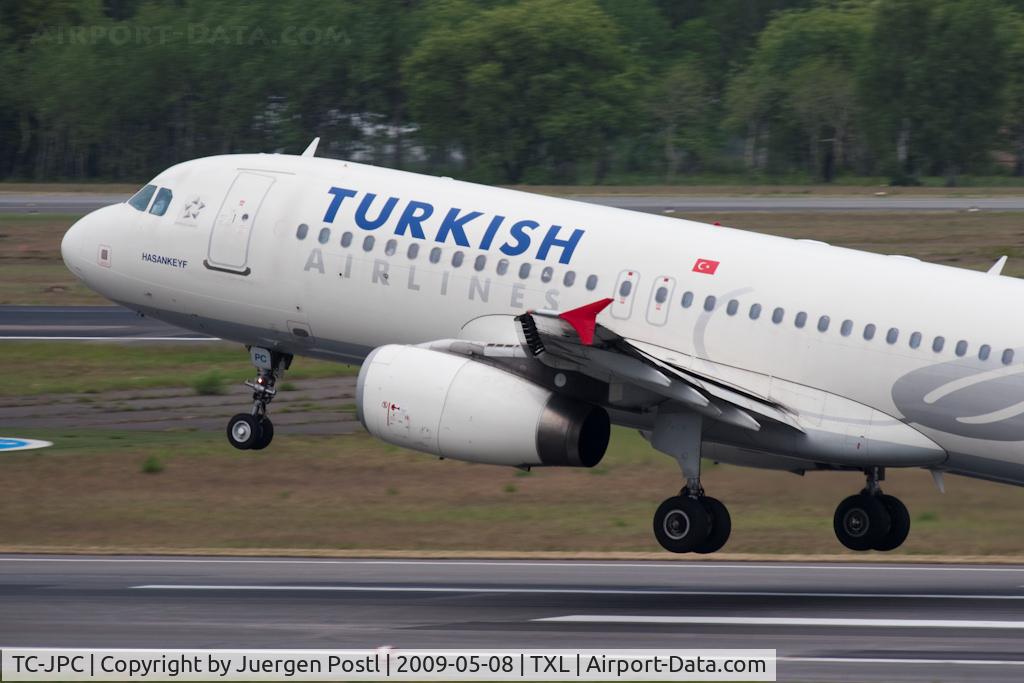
(352, 492)
(92, 367)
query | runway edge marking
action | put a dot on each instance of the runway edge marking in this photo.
(784, 621)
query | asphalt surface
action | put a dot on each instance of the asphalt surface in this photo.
(82, 202)
(689, 203)
(828, 622)
(86, 323)
(56, 202)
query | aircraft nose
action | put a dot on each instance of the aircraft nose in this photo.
(71, 247)
(86, 242)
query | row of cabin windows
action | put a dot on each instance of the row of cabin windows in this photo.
(547, 273)
(845, 328)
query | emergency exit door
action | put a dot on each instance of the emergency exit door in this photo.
(231, 236)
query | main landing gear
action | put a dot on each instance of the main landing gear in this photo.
(872, 520)
(691, 521)
(254, 430)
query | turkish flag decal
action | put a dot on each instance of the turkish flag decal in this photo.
(706, 266)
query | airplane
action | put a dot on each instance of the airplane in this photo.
(509, 328)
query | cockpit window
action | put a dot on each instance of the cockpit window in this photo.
(163, 199)
(140, 200)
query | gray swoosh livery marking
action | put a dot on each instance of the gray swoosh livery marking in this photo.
(964, 398)
(700, 328)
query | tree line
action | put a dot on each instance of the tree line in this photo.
(518, 91)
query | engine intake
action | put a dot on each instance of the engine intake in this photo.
(459, 408)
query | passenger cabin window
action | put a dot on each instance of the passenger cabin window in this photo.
(391, 247)
(324, 236)
(502, 266)
(346, 240)
(846, 328)
(687, 300)
(915, 340)
(1007, 356)
(755, 311)
(569, 278)
(961, 348)
(301, 231)
(479, 262)
(709, 303)
(547, 274)
(938, 344)
(983, 351)
(414, 251)
(591, 282)
(777, 315)
(435, 255)
(625, 288)
(162, 201)
(869, 331)
(140, 200)
(661, 295)
(368, 243)
(732, 307)
(524, 271)
(892, 336)
(800, 320)
(823, 323)
(457, 258)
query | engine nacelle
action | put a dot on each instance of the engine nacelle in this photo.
(455, 407)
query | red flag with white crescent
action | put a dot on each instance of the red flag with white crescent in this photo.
(706, 266)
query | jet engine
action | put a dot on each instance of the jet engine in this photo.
(459, 408)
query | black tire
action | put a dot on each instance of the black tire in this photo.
(861, 521)
(266, 435)
(243, 431)
(899, 529)
(721, 526)
(681, 524)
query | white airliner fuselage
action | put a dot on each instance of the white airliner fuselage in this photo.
(765, 351)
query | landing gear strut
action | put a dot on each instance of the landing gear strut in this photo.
(872, 520)
(254, 430)
(691, 521)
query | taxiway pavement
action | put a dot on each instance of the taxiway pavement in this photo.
(86, 323)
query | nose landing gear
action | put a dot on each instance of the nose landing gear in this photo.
(871, 520)
(254, 430)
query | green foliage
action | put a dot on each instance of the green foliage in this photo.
(934, 83)
(152, 465)
(798, 90)
(517, 90)
(210, 383)
(535, 82)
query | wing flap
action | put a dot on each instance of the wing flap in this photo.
(577, 339)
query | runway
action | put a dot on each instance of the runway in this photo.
(83, 202)
(86, 323)
(773, 204)
(828, 622)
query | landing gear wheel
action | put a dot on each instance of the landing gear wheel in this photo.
(721, 526)
(266, 435)
(243, 431)
(900, 526)
(681, 524)
(861, 522)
